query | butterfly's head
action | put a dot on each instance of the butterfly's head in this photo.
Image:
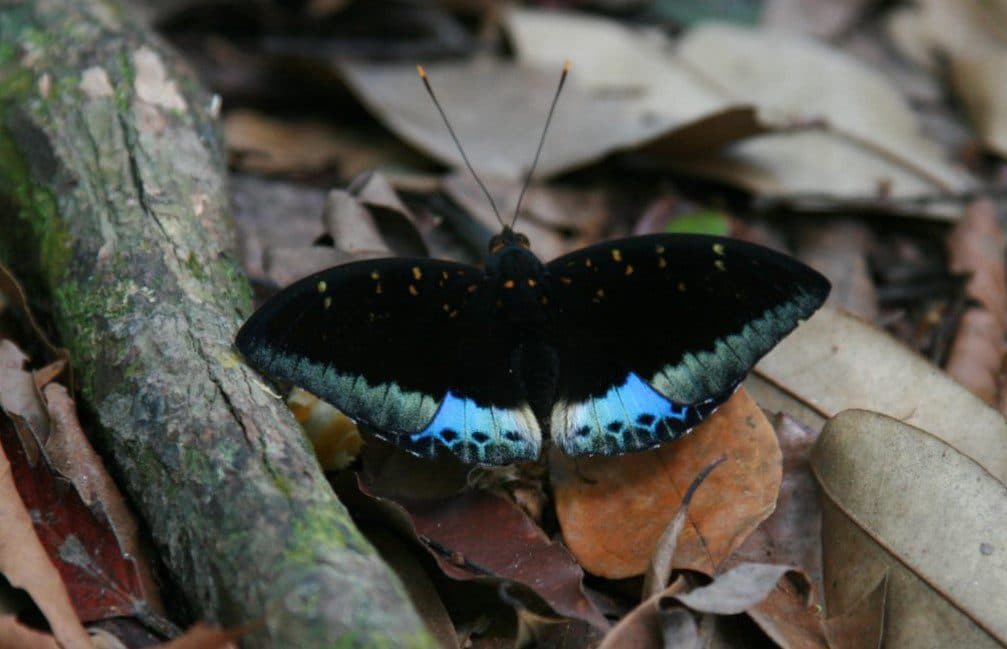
(506, 239)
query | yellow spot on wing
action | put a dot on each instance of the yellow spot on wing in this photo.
(444, 274)
(718, 248)
(681, 287)
(544, 300)
(375, 275)
(328, 302)
(413, 291)
(417, 273)
(472, 288)
(322, 286)
(600, 292)
(660, 250)
(531, 282)
(566, 280)
(447, 307)
(509, 284)
(661, 263)
(616, 254)
(720, 265)
(629, 270)
(587, 262)
(377, 289)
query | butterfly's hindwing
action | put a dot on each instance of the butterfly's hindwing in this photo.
(671, 323)
(401, 345)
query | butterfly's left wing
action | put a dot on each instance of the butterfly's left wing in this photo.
(409, 347)
(654, 332)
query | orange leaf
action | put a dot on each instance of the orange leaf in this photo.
(613, 509)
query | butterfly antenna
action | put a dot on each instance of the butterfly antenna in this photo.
(538, 151)
(430, 91)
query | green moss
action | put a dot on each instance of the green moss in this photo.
(195, 267)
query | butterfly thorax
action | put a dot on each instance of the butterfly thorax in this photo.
(518, 280)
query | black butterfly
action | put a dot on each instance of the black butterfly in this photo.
(614, 348)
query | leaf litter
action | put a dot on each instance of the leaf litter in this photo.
(797, 124)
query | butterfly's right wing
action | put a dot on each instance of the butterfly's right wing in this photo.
(407, 346)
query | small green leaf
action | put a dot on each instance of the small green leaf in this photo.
(706, 222)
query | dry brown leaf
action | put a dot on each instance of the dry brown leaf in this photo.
(462, 189)
(19, 400)
(14, 635)
(613, 510)
(900, 501)
(403, 560)
(979, 81)
(266, 145)
(837, 248)
(864, 142)
(976, 247)
(862, 627)
(72, 456)
(736, 590)
(871, 144)
(588, 126)
(792, 533)
(641, 628)
(740, 589)
(834, 362)
(826, 19)
(789, 616)
(970, 34)
(272, 215)
(655, 580)
(25, 564)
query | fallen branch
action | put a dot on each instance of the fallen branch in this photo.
(111, 168)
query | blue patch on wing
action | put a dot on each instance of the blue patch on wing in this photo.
(628, 417)
(479, 434)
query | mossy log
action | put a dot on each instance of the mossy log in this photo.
(113, 206)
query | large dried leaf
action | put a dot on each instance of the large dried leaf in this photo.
(859, 139)
(25, 563)
(900, 500)
(613, 510)
(834, 362)
(871, 144)
(488, 103)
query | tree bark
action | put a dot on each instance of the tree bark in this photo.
(112, 202)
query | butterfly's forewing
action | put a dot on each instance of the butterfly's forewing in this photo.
(654, 332)
(407, 346)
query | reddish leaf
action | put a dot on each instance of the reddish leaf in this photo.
(24, 562)
(79, 514)
(480, 535)
(613, 510)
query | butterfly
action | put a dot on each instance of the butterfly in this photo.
(614, 348)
